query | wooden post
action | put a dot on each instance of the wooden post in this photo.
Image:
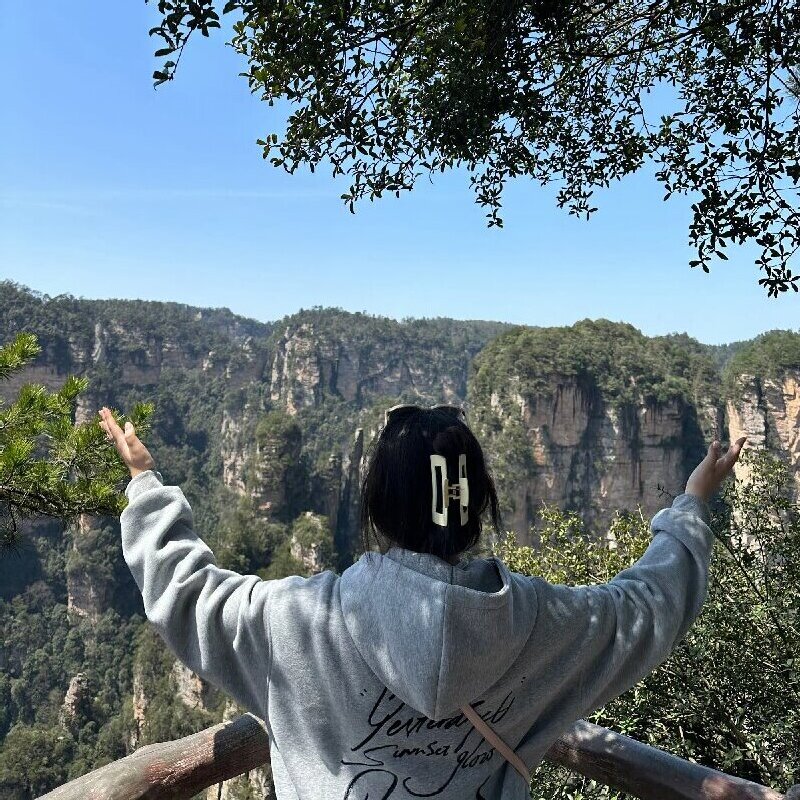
(178, 769)
(644, 771)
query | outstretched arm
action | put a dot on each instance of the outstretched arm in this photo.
(214, 620)
(612, 635)
(633, 622)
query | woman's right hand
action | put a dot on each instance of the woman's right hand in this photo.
(130, 448)
(713, 469)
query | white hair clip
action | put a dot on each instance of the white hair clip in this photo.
(449, 491)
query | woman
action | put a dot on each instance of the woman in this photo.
(369, 683)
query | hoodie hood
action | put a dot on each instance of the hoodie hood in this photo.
(437, 635)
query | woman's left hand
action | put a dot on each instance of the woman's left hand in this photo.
(130, 448)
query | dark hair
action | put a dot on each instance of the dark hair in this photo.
(396, 493)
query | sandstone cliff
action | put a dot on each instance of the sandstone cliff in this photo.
(767, 411)
(597, 418)
(577, 451)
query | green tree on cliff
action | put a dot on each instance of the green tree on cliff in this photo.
(49, 466)
(577, 93)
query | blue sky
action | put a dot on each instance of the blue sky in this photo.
(111, 189)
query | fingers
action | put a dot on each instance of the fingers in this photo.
(130, 432)
(111, 427)
(725, 464)
(107, 432)
(733, 451)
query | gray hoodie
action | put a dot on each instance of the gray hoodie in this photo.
(359, 678)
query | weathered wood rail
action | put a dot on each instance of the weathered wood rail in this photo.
(182, 768)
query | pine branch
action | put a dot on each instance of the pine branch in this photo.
(49, 466)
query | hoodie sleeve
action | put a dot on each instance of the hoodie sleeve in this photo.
(622, 630)
(214, 620)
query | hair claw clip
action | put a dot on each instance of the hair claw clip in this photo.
(449, 491)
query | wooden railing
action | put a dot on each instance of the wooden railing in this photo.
(182, 768)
